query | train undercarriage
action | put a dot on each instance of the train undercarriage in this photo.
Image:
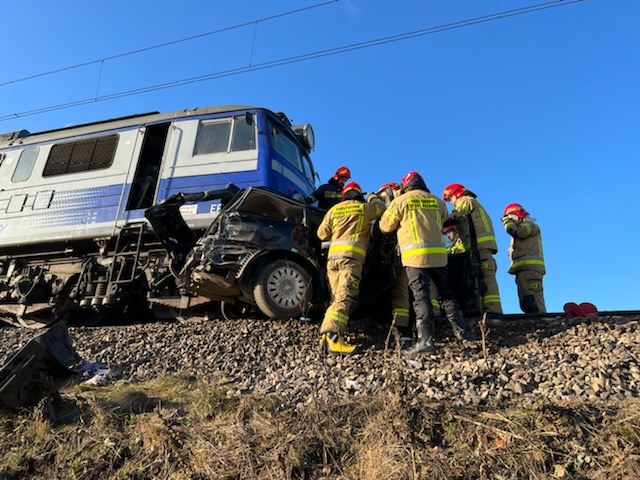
(86, 282)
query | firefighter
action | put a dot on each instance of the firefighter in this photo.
(417, 215)
(525, 253)
(456, 245)
(328, 194)
(480, 238)
(400, 291)
(347, 227)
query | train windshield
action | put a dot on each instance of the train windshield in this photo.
(290, 163)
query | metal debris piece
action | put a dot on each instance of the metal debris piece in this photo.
(36, 370)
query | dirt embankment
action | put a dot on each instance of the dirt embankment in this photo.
(256, 399)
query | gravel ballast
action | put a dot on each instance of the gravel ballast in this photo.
(553, 358)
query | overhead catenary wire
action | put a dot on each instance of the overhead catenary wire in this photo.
(164, 44)
(297, 58)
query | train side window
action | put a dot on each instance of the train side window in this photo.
(286, 147)
(24, 167)
(81, 156)
(308, 169)
(213, 137)
(244, 134)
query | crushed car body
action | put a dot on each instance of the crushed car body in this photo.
(261, 250)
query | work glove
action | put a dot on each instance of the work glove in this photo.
(375, 199)
(509, 225)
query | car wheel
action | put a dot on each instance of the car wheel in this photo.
(282, 289)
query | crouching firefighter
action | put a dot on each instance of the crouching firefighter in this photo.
(417, 215)
(346, 226)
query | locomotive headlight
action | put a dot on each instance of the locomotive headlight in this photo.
(306, 135)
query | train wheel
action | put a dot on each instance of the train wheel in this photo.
(282, 289)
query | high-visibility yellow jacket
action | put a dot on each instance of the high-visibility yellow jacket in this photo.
(485, 235)
(456, 246)
(346, 225)
(418, 216)
(525, 251)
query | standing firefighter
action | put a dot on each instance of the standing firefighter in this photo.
(480, 238)
(418, 215)
(346, 226)
(525, 253)
(329, 194)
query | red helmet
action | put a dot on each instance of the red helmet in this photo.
(455, 191)
(391, 185)
(515, 209)
(412, 180)
(448, 228)
(351, 186)
(342, 172)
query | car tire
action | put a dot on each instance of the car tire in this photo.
(283, 289)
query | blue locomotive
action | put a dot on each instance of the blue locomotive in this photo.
(73, 237)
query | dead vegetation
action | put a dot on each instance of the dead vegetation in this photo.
(181, 428)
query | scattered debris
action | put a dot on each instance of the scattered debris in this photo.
(35, 371)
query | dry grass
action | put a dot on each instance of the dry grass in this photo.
(177, 428)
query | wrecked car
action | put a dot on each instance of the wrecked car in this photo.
(260, 252)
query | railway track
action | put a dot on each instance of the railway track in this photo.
(534, 316)
(124, 320)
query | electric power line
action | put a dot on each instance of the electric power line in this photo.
(165, 44)
(297, 58)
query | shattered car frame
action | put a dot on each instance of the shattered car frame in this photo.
(260, 250)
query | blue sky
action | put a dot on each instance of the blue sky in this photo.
(541, 108)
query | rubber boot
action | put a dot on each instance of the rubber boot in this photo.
(495, 319)
(459, 326)
(425, 343)
(334, 344)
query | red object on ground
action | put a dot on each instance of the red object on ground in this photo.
(572, 310)
(588, 309)
(585, 309)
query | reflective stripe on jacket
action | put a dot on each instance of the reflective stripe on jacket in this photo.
(457, 245)
(346, 226)
(327, 195)
(525, 251)
(418, 216)
(485, 234)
